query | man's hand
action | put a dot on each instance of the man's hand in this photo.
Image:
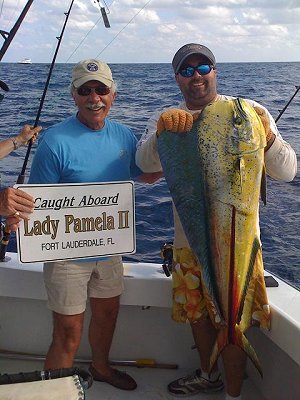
(175, 120)
(15, 205)
(270, 136)
(150, 177)
(12, 224)
(15, 202)
(28, 133)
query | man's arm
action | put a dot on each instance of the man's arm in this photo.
(147, 158)
(280, 158)
(171, 119)
(27, 133)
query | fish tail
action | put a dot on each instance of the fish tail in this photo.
(238, 339)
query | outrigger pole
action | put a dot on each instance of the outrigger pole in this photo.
(8, 36)
(21, 177)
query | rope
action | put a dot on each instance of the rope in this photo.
(1, 8)
(13, 13)
(113, 39)
(84, 38)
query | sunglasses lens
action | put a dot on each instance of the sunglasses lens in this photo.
(204, 69)
(102, 90)
(86, 91)
(189, 71)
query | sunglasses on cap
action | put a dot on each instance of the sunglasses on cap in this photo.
(99, 90)
(202, 69)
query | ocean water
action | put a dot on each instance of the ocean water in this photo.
(143, 88)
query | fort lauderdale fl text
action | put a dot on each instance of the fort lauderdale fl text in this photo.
(102, 222)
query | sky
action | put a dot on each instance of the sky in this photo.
(151, 31)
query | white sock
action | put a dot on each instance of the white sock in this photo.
(205, 375)
(228, 397)
(212, 377)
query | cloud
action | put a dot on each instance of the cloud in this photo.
(152, 31)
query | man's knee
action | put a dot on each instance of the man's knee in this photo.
(105, 308)
(67, 331)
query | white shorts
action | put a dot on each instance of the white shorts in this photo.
(69, 284)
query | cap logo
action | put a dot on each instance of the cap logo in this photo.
(92, 67)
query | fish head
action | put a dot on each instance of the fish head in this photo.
(248, 133)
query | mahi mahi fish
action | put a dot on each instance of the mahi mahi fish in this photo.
(214, 174)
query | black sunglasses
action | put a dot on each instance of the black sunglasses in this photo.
(202, 69)
(99, 90)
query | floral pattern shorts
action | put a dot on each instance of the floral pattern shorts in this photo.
(190, 300)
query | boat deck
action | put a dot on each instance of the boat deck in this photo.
(145, 331)
(152, 383)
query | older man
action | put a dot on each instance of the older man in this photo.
(195, 73)
(86, 147)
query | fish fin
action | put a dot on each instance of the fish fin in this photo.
(241, 166)
(256, 246)
(263, 186)
(221, 342)
(249, 350)
(239, 110)
(240, 340)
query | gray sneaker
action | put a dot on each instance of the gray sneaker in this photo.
(193, 384)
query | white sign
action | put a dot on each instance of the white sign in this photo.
(75, 221)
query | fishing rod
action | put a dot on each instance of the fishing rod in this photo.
(8, 36)
(21, 177)
(288, 103)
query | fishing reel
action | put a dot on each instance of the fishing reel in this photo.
(4, 87)
(4, 239)
(166, 253)
(2, 228)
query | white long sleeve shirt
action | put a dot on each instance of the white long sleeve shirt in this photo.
(280, 159)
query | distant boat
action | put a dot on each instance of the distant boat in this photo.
(25, 61)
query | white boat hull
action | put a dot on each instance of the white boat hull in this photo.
(145, 329)
(25, 61)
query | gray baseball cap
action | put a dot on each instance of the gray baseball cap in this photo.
(189, 49)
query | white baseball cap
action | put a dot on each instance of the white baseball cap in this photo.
(91, 70)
